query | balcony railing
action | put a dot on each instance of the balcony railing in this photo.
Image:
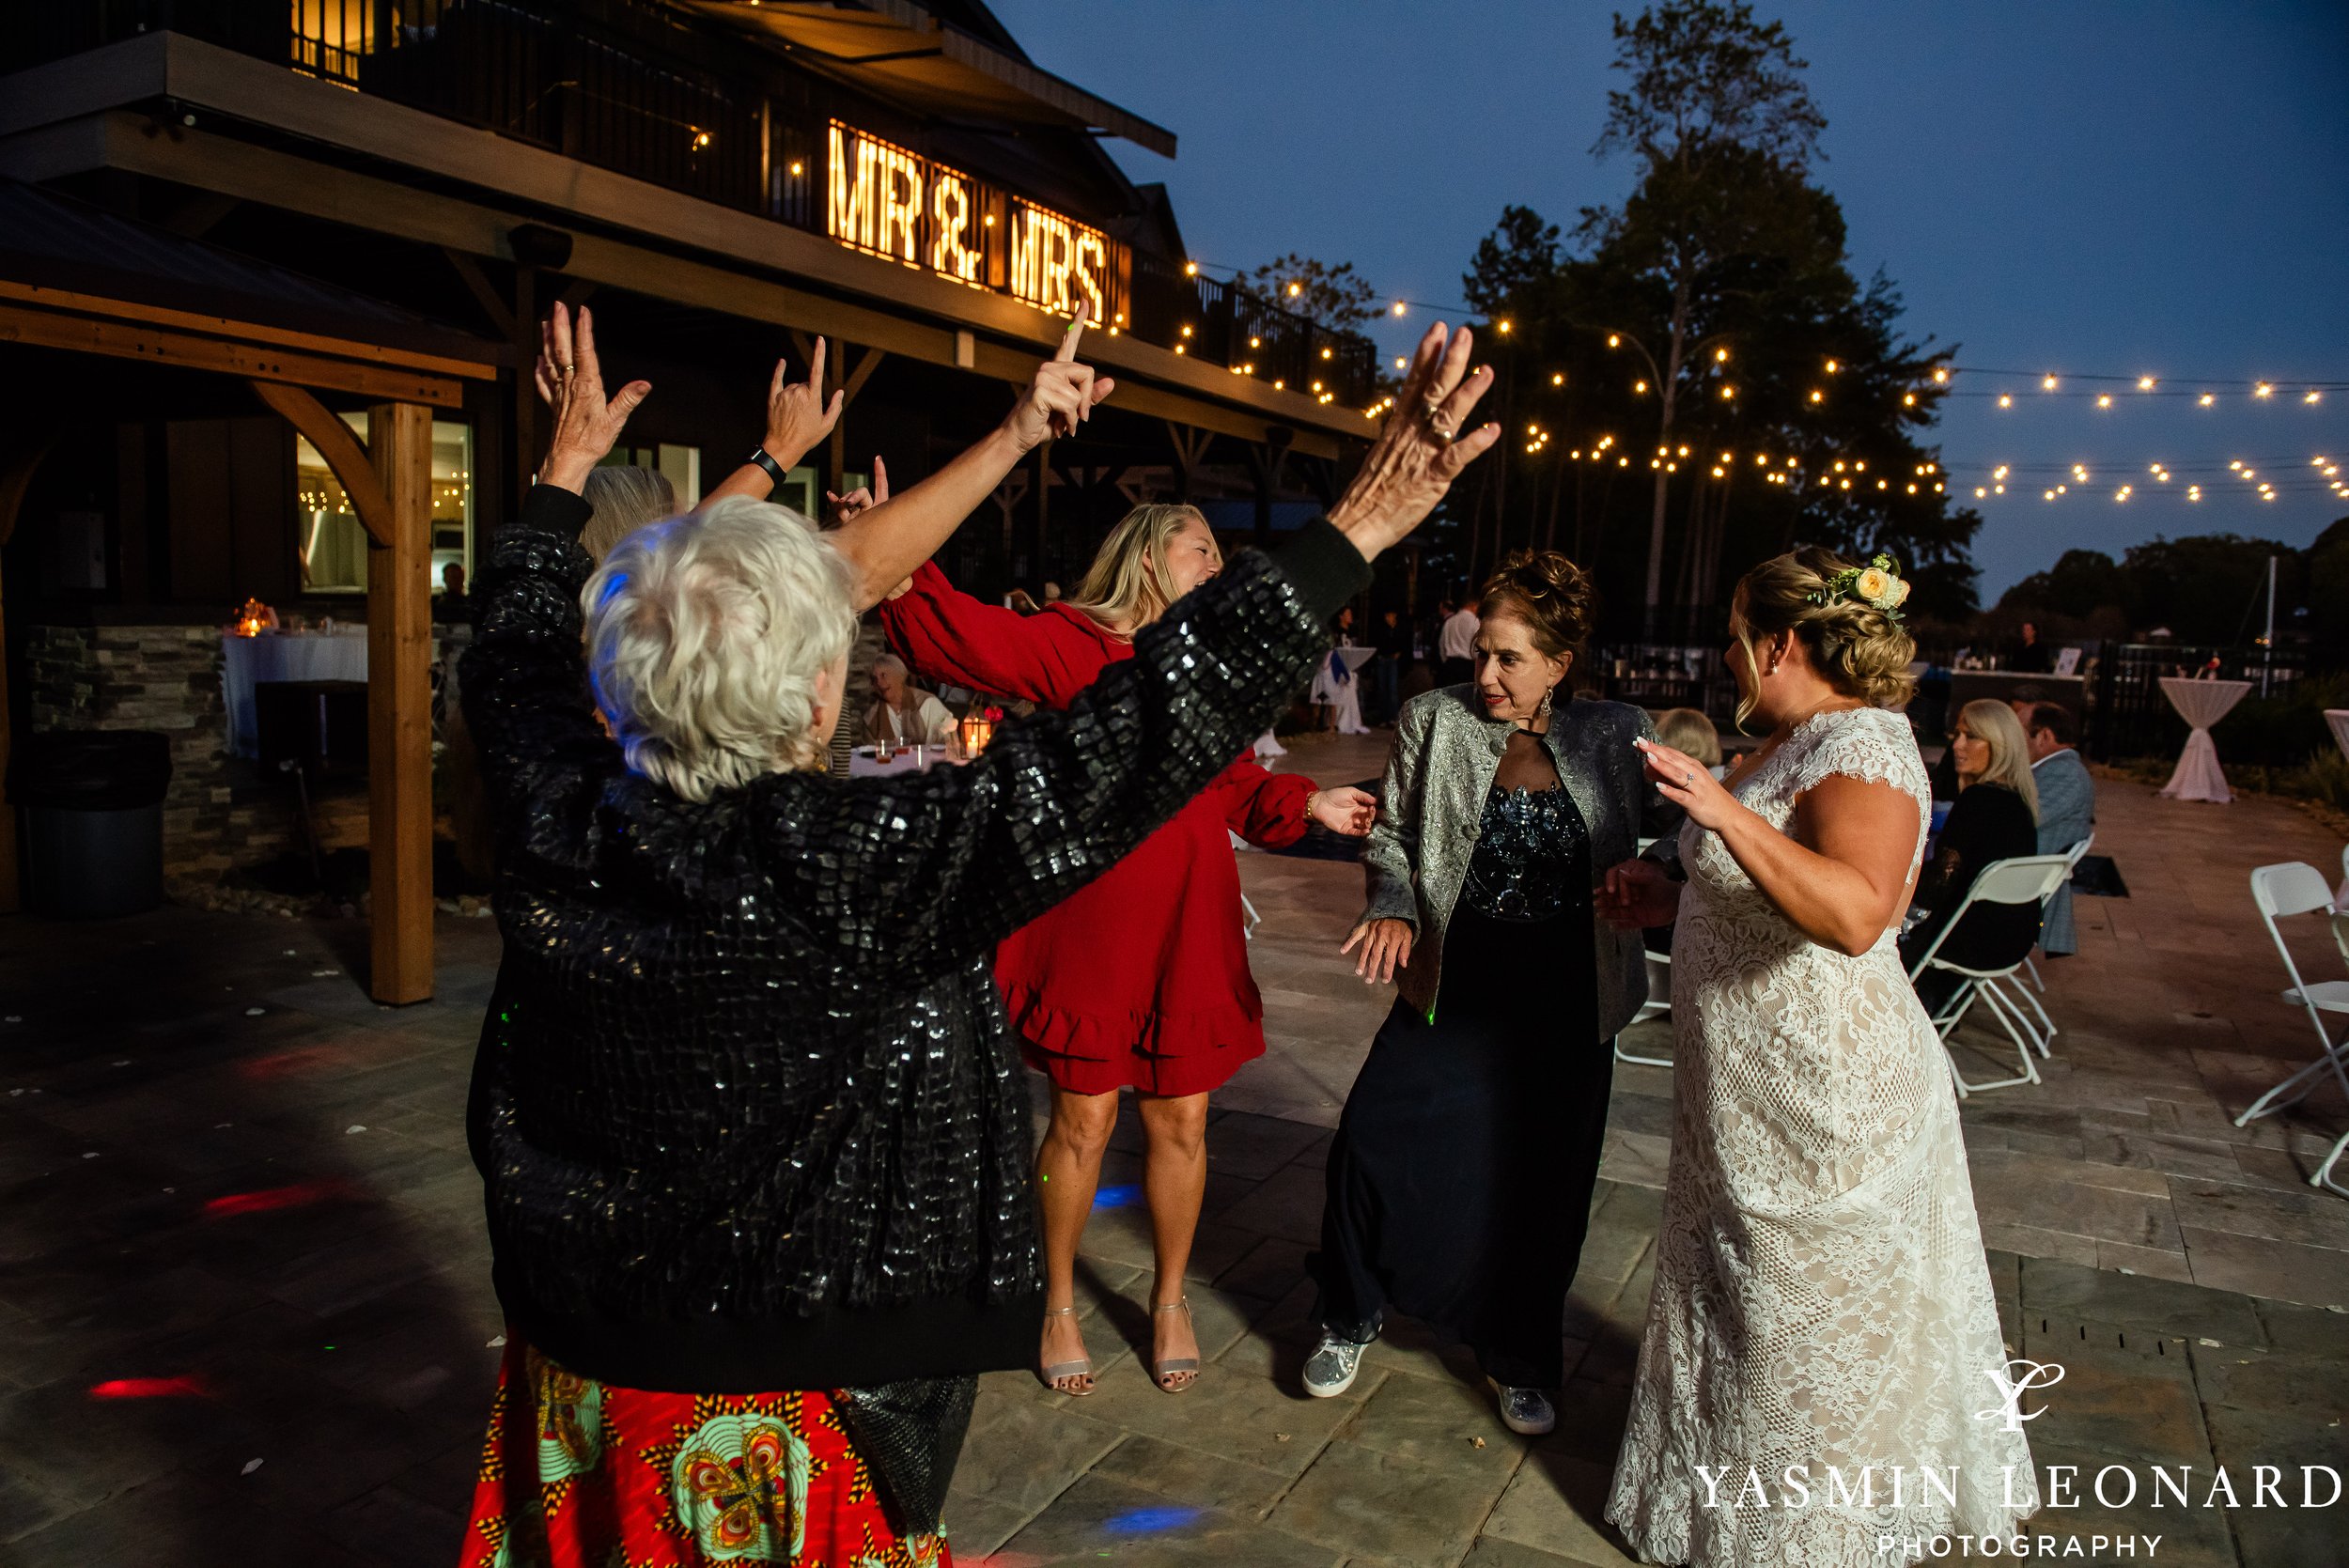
(598, 81)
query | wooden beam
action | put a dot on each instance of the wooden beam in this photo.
(113, 309)
(1181, 388)
(477, 283)
(38, 327)
(400, 707)
(345, 458)
(16, 477)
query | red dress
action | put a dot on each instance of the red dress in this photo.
(1141, 979)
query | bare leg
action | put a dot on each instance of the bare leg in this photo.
(1067, 1169)
(1174, 1179)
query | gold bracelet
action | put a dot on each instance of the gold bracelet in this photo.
(1310, 800)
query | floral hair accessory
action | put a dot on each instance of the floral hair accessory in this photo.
(1879, 584)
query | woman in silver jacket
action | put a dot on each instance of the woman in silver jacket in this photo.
(1460, 1185)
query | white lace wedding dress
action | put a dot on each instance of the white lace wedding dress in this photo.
(1821, 1299)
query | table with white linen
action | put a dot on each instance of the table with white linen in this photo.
(864, 763)
(244, 661)
(2201, 704)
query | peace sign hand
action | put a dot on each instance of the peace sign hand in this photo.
(1062, 397)
(586, 424)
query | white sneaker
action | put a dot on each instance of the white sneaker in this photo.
(1525, 1412)
(1330, 1370)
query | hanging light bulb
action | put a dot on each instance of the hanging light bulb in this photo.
(2048, 384)
(2205, 400)
(2006, 400)
(2144, 383)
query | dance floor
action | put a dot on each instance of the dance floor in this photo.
(244, 1314)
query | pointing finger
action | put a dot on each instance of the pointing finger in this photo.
(1068, 349)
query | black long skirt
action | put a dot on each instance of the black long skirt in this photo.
(1460, 1181)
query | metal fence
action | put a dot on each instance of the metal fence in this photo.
(2129, 716)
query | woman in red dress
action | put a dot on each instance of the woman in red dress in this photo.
(1140, 981)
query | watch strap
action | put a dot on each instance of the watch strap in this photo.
(775, 470)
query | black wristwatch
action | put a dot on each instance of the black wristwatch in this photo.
(774, 469)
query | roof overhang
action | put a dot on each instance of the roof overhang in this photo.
(898, 50)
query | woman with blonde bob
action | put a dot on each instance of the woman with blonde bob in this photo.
(1821, 1302)
(1141, 982)
(1995, 817)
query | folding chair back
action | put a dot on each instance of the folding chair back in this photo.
(2024, 879)
(2292, 888)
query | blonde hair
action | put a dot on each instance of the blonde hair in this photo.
(625, 498)
(1857, 648)
(1685, 729)
(1995, 725)
(705, 635)
(1125, 589)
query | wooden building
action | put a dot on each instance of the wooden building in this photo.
(407, 184)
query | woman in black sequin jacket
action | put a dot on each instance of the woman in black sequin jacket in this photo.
(746, 1108)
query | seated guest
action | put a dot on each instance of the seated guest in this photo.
(1687, 730)
(748, 1114)
(1995, 818)
(2068, 807)
(622, 498)
(902, 713)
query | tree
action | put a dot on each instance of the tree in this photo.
(1336, 297)
(1519, 257)
(1713, 93)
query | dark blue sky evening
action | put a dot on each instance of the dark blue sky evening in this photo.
(2124, 189)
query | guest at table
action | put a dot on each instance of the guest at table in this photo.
(1459, 1187)
(903, 714)
(2067, 808)
(1995, 818)
(753, 1141)
(2032, 658)
(451, 608)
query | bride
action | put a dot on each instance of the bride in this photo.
(1822, 1309)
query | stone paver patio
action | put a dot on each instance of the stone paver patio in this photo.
(237, 1223)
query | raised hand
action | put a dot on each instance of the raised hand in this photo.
(1060, 397)
(861, 499)
(1345, 810)
(1419, 450)
(1689, 785)
(796, 414)
(586, 424)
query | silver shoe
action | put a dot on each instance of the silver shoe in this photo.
(1330, 1370)
(1525, 1412)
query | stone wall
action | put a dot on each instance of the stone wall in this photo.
(166, 678)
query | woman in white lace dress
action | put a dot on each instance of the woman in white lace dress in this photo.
(1822, 1312)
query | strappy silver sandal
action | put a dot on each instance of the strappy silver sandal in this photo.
(1173, 1366)
(1051, 1376)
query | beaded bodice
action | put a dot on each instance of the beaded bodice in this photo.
(1532, 858)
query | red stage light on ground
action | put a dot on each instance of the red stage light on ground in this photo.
(264, 1198)
(147, 1388)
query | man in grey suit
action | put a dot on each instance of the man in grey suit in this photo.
(2068, 807)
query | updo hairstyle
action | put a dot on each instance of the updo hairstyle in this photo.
(1858, 648)
(1551, 595)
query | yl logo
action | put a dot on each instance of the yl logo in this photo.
(2011, 1388)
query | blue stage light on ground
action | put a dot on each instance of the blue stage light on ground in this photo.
(1116, 1197)
(1149, 1521)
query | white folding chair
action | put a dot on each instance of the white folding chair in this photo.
(2024, 879)
(2297, 888)
(2047, 1030)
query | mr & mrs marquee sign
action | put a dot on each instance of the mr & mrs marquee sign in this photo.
(888, 202)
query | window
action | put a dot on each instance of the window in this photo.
(680, 465)
(334, 544)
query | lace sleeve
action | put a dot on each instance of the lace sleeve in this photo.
(1870, 744)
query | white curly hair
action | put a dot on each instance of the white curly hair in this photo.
(705, 635)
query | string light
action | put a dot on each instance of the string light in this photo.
(2005, 400)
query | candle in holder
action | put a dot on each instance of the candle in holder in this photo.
(977, 728)
(254, 619)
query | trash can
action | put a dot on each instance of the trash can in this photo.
(92, 813)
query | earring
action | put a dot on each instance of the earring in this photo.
(1544, 709)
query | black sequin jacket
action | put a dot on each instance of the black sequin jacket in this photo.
(746, 1108)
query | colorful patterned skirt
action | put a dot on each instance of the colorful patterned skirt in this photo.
(581, 1474)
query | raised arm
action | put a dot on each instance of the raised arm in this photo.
(896, 536)
(524, 680)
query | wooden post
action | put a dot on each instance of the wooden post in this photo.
(399, 706)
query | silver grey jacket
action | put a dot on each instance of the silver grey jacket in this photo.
(1445, 755)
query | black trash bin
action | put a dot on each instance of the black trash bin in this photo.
(93, 819)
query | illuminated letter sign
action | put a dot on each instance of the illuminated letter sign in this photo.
(1058, 264)
(886, 201)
